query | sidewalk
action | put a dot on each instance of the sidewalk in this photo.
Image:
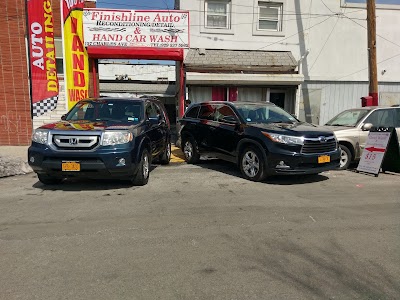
(14, 161)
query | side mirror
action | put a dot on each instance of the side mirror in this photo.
(367, 126)
(230, 120)
(63, 117)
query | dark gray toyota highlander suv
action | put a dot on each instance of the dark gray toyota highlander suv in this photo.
(261, 138)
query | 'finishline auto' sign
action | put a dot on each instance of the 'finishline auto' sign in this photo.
(129, 28)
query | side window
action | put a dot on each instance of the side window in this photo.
(150, 111)
(159, 111)
(397, 117)
(193, 112)
(225, 114)
(207, 112)
(381, 118)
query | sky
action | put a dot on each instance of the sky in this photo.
(136, 4)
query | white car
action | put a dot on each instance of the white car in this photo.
(352, 126)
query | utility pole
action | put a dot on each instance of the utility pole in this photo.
(373, 72)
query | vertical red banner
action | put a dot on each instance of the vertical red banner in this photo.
(42, 57)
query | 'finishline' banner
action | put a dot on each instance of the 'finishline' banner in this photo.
(42, 58)
(76, 63)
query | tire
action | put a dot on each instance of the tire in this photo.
(252, 164)
(166, 156)
(142, 176)
(345, 157)
(190, 151)
(48, 180)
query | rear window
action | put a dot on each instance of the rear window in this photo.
(207, 112)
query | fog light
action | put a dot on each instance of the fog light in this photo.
(121, 162)
(282, 165)
(32, 159)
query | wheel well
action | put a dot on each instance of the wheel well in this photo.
(350, 147)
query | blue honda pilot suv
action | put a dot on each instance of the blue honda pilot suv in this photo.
(261, 138)
(103, 138)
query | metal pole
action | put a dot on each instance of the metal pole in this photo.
(373, 73)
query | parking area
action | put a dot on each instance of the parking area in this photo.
(202, 232)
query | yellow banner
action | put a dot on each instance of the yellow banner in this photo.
(76, 59)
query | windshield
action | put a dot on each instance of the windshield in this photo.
(348, 118)
(117, 111)
(258, 113)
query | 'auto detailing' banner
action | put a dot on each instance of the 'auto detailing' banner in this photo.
(76, 63)
(42, 57)
(136, 28)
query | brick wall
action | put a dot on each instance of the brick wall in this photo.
(15, 113)
(15, 105)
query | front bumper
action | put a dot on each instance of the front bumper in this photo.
(101, 163)
(297, 163)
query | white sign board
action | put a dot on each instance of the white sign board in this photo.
(374, 151)
(136, 28)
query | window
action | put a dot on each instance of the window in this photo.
(269, 16)
(381, 118)
(207, 112)
(225, 114)
(217, 14)
(193, 112)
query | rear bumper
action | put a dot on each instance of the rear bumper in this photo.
(103, 163)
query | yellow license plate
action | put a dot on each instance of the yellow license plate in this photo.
(324, 159)
(71, 166)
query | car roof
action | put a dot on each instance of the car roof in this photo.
(235, 103)
(100, 99)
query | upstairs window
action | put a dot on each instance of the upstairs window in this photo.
(217, 14)
(269, 16)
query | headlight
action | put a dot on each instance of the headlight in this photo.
(40, 136)
(284, 139)
(111, 138)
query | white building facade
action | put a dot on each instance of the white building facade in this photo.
(316, 56)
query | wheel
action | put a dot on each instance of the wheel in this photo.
(142, 175)
(191, 151)
(165, 157)
(46, 179)
(252, 164)
(345, 157)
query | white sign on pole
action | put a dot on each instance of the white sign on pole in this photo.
(374, 152)
(130, 28)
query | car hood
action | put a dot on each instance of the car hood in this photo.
(296, 129)
(338, 128)
(83, 125)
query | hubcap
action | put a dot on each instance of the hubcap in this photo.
(250, 164)
(343, 158)
(188, 150)
(145, 166)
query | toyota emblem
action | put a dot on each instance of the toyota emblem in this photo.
(322, 139)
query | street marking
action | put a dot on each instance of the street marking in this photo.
(176, 155)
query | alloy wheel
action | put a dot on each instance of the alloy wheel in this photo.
(251, 164)
(188, 150)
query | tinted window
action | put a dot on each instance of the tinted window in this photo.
(207, 112)
(224, 114)
(151, 111)
(381, 118)
(159, 111)
(192, 112)
(397, 117)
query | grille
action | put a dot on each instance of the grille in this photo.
(319, 145)
(76, 142)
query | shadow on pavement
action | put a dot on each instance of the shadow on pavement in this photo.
(233, 170)
(83, 184)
